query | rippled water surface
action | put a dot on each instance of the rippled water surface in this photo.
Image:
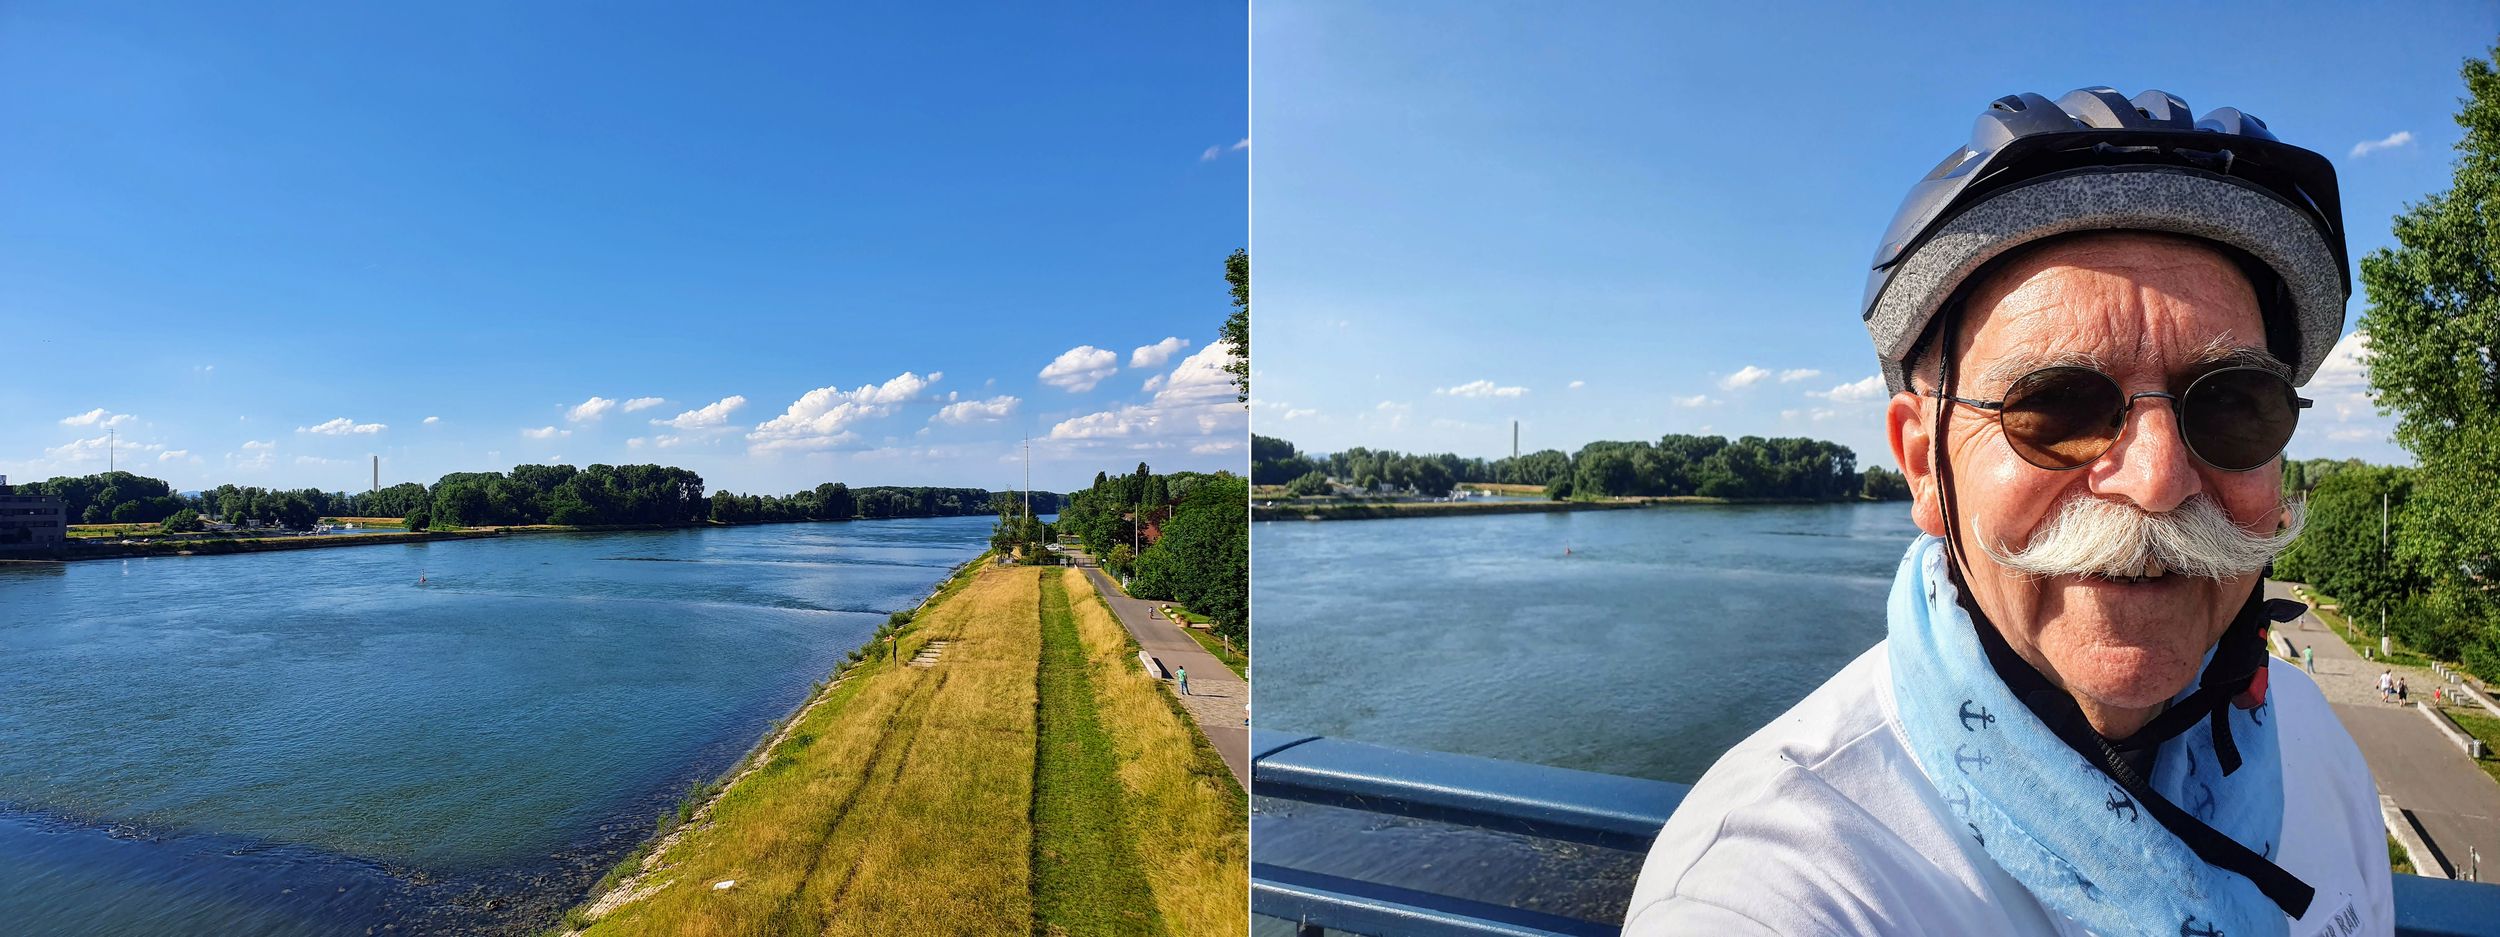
(1662, 637)
(315, 742)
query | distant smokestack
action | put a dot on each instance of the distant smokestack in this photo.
(377, 472)
(1514, 439)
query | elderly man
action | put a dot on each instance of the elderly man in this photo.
(2093, 317)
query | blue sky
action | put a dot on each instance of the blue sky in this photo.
(790, 245)
(1616, 221)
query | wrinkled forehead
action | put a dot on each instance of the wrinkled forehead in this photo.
(2139, 306)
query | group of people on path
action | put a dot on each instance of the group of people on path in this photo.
(2391, 688)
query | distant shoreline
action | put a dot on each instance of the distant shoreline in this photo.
(220, 546)
(1374, 510)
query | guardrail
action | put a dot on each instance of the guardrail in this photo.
(1561, 805)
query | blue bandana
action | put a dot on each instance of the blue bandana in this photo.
(2073, 837)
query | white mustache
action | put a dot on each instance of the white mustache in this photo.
(2095, 536)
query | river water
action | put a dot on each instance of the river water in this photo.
(1662, 637)
(314, 742)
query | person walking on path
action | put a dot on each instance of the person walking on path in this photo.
(2308, 658)
(2400, 689)
(1183, 675)
(2386, 686)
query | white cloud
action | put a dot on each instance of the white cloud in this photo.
(98, 449)
(1153, 356)
(995, 408)
(546, 432)
(1744, 378)
(1152, 383)
(1696, 400)
(1215, 446)
(714, 415)
(2388, 142)
(822, 418)
(590, 409)
(1480, 389)
(1794, 375)
(318, 460)
(431, 420)
(97, 418)
(635, 443)
(641, 403)
(260, 444)
(1576, 385)
(343, 427)
(1078, 369)
(1197, 400)
(1213, 153)
(1863, 390)
(172, 454)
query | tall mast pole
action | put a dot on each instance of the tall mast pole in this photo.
(112, 449)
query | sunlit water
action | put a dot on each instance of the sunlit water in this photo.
(1662, 637)
(313, 742)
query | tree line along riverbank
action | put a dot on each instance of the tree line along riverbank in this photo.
(1025, 776)
(591, 496)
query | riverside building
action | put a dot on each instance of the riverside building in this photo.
(30, 522)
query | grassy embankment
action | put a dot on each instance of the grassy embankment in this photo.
(1190, 819)
(2365, 642)
(1005, 790)
(2480, 724)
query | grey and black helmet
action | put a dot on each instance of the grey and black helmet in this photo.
(2096, 161)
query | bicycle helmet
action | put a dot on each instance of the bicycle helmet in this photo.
(2093, 160)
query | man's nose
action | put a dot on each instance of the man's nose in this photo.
(2150, 464)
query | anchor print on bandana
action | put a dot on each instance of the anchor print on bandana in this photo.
(2118, 800)
(1964, 759)
(1981, 717)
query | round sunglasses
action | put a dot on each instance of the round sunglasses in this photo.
(2235, 419)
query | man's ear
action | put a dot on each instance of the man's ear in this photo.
(1905, 426)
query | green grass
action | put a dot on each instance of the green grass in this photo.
(1233, 660)
(2365, 644)
(2483, 726)
(2396, 860)
(1086, 875)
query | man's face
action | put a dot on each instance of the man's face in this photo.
(2153, 312)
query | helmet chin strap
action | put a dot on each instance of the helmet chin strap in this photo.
(2231, 676)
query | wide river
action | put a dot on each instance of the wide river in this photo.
(318, 742)
(1639, 642)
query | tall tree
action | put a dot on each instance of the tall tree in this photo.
(1237, 326)
(2433, 329)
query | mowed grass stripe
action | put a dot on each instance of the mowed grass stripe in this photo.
(900, 806)
(1087, 876)
(1189, 818)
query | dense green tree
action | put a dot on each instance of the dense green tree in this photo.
(418, 518)
(2433, 327)
(1236, 333)
(1311, 483)
(182, 521)
(1202, 559)
(1883, 484)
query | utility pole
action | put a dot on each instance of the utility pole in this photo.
(2383, 644)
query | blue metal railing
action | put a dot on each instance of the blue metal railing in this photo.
(1511, 799)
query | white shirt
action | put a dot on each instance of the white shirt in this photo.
(1823, 823)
